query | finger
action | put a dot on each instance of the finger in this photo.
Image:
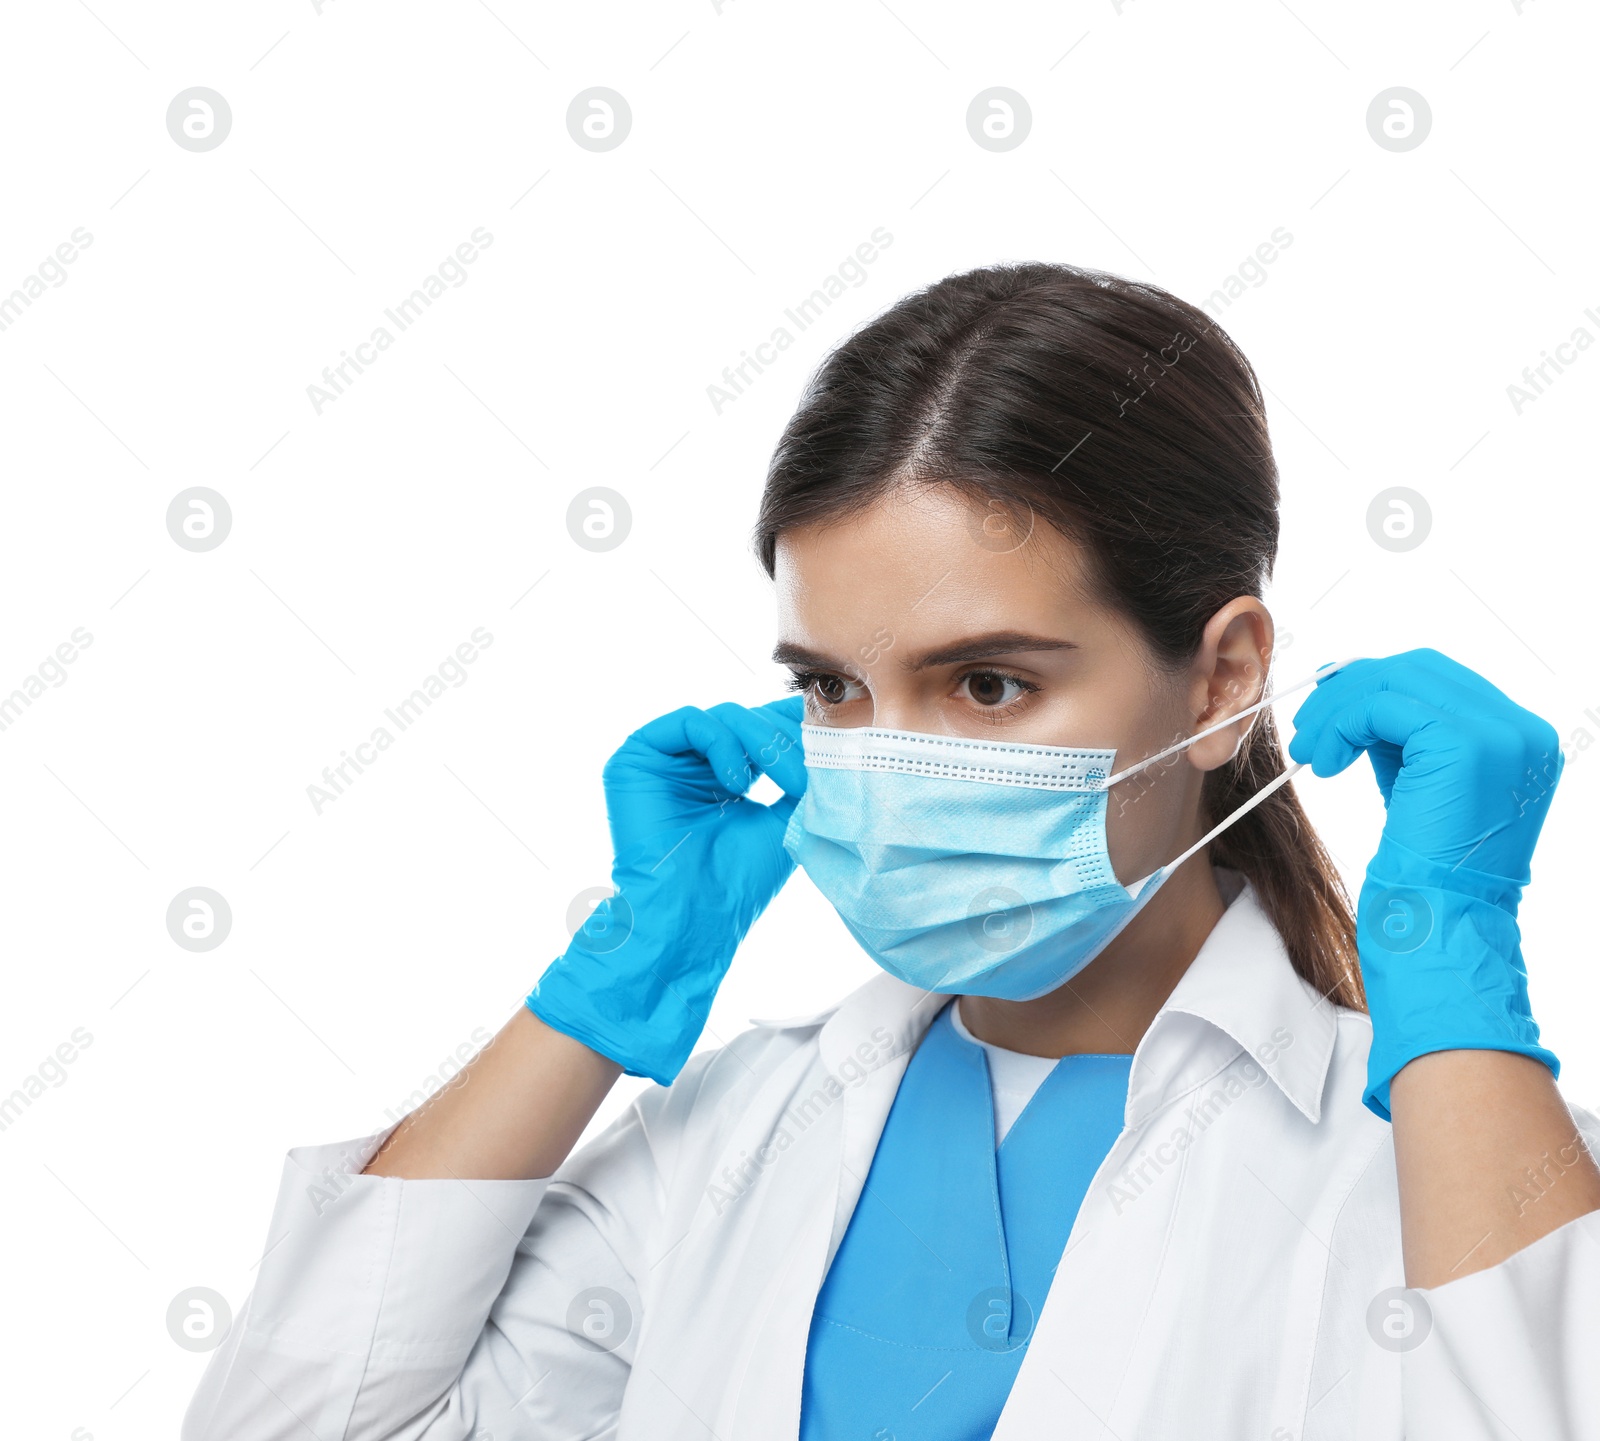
(770, 738)
(1380, 718)
(1436, 663)
(692, 732)
(1540, 737)
(1331, 693)
(1426, 676)
(1386, 762)
(1341, 690)
(1450, 686)
(788, 711)
(739, 744)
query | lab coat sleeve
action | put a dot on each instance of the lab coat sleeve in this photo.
(1511, 1349)
(434, 1310)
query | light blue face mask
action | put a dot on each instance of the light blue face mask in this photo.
(976, 867)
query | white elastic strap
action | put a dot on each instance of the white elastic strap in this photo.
(1311, 679)
(1227, 821)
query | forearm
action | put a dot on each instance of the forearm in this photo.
(513, 1113)
(1488, 1159)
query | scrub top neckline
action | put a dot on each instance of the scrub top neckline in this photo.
(1016, 1076)
(961, 1030)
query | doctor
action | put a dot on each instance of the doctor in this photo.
(1193, 1152)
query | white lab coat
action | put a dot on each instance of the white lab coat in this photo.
(1217, 1282)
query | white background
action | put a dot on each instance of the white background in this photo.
(367, 542)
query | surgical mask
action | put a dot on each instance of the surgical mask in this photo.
(977, 867)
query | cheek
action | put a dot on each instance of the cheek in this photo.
(1146, 817)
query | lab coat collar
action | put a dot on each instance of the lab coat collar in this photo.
(1241, 992)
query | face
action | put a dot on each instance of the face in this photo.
(923, 614)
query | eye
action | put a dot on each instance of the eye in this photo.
(992, 689)
(823, 687)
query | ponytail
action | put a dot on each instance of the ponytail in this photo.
(1275, 847)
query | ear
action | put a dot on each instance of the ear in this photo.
(1229, 675)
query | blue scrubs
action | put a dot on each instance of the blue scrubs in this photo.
(929, 1304)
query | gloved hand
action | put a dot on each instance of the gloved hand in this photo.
(1467, 777)
(694, 863)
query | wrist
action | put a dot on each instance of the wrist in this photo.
(1441, 957)
(648, 1037)
(628, 995)
(1397, 865)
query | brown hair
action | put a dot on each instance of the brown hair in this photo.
(1130, 421)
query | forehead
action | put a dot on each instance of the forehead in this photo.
(928, 561)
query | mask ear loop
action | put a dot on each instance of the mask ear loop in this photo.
(1227, 821)
(1311, 679)
(1254, 800)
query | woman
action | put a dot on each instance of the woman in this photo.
(1156, 1172)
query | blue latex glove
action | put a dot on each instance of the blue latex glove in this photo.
(1467, 776)
(694, 863)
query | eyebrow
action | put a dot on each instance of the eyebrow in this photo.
(978, 647)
